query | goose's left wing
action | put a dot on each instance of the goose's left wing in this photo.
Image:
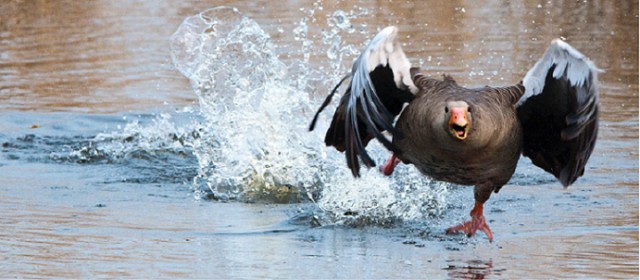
(559, 112)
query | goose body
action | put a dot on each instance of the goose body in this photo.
(486, 155)
(468, 136)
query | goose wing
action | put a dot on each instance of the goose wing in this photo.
(559, 112)
(380, 84)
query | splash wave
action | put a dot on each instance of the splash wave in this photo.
(254, 140)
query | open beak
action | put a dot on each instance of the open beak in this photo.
(459, 123)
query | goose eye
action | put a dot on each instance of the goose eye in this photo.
(446, 109)
(469, 109)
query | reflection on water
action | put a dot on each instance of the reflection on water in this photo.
(128, 216)
(473, 269)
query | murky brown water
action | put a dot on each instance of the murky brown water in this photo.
(82, 59)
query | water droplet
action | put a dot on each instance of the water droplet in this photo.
(340, 20)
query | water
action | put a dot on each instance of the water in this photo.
(112, 159)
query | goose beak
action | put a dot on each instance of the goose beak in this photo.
(459, 123)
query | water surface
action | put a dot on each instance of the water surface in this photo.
(109, 164)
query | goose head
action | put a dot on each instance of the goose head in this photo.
(458, 114)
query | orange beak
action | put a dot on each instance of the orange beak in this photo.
(459, 123)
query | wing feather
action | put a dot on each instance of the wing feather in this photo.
(559, 112)
(380, 84)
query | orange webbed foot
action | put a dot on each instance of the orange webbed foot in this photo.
(478, 222)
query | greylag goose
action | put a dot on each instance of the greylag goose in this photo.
(467, 136)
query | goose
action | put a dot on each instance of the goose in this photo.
(467, 136)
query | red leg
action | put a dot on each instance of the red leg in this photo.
(388, 167)
(477, 222)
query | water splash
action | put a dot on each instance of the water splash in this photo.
(339, 23)
(153, 134)
(373, 199)
(253, 142)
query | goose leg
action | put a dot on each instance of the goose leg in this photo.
(391, 164)
(477, 222)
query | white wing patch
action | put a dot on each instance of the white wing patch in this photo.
(577, 66)
(385, 48)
